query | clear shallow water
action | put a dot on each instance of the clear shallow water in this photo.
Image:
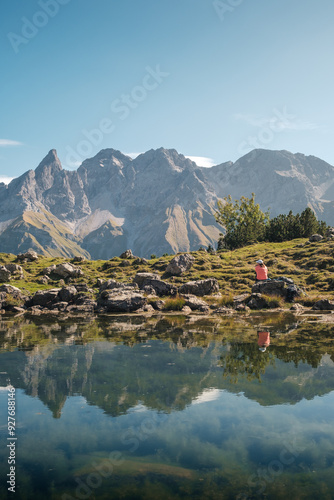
(136, 408)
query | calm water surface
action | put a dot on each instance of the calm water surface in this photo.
(169, 408)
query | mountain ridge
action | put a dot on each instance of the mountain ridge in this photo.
(159, 202)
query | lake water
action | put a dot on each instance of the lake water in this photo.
(168, 408)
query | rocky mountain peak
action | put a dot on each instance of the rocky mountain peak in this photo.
(105, 158)
(50, 162)
(164, 160)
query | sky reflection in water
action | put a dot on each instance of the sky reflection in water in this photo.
(169, 408)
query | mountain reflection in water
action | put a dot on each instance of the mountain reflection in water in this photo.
(216, 395)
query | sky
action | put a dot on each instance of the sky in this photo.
(212, 79)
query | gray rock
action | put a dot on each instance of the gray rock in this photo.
(195, 303)
(121, 300)
(44, 298)
(48, 270)
(5, 275)
(272, 287)
(12, 290)
(200, 287)
(66, 270)
(140, 260)
(43, 280)
(323, 305)
(240, 300)
(29, 256)
(158, 305)
(125, 263)
(152, 283)
(14, 268)
(180, 264)
(315, 237)
(126, 255)
(257, 302)
(143, 279)
(186, 310)
(67, 293)
(78, 258)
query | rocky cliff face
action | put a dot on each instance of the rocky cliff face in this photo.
(159, 202)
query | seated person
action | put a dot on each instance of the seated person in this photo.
(261, 271)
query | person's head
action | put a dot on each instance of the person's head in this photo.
(260, 262)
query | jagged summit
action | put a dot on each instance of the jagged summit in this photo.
(51, 161)
(159, 202)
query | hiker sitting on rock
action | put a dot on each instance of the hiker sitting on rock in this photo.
(261, 271)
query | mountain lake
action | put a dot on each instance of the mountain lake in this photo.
(167, 407)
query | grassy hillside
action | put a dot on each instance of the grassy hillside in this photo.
(310, 265)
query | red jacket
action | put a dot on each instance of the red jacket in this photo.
(261, 272)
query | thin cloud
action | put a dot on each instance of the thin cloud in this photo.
(133, 155)
(6, 179)
(202, 161)
(9, 142)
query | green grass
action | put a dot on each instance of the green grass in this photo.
(311, 266)
(174, 304)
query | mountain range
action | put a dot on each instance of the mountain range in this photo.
(160, 202)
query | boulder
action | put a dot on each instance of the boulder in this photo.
(140, 260)
(86, 306)
(48, 270)
(5, 275)
(78, 258)
(29, 256)
(257, 301)
(200, 287)
(271, 287)
(151, 283)
(14, 268)
(67, 271)
(195, 303)
(43, 280)
(180, 264)
(315, 237)
(67, 293)
(323, 305)
(7, 294)
(143, 279)
(121, 300)
(125, 263)
(12, 290)
(158, 305)
(240, 300)
(126, 255)
(44, 298)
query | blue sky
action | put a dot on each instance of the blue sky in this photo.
(210, 78)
